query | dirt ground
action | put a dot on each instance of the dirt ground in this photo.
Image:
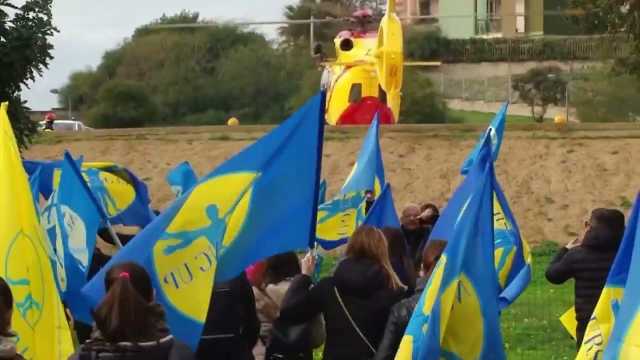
(551, 178)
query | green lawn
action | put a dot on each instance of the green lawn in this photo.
(530, 327)
(476, 117)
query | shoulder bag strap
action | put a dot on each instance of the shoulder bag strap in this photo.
(353, 323)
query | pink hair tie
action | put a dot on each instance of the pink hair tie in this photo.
(125, 275)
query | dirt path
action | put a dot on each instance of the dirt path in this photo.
(551, 178)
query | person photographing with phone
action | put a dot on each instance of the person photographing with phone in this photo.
(588, 259)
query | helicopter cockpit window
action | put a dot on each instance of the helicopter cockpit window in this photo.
(346, 44)
(355, 94)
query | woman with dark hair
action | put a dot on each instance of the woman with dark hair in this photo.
(279, 272)
(402, 311)
(399, 257)
(588, 259)
(8, 338)
(129, 324)
(354, 302)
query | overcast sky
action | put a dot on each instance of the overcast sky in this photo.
(90, 27)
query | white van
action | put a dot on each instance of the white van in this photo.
(65, 125)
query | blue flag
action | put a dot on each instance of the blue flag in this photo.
(494, 133)
(457, 316)
(383, 212)
(322, 192)
(182, 178)
(34, 183)
(339, 218)
(124, 197)
(512, 255)
(613, 332)
(259, 203)
(71, 219)
(625, 338)
(368, 171)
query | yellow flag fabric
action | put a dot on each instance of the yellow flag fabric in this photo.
(38, 316)
(568, 320)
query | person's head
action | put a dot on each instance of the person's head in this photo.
(396, 241)
(6, 307)
(429, 214)
(430, 256)
(369, 243)
(281, 267)
(409, 217)
(128, 307)
(604, 230)
(369, 195)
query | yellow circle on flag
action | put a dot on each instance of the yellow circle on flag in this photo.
(209, 220)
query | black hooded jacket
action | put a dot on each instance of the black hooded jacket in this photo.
(397, 323)
(362, 285)
(589, 263)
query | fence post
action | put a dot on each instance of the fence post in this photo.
(442, 82)
(463, 90)
(509, 80)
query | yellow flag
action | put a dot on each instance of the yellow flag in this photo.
(568, 320)
(38, 316)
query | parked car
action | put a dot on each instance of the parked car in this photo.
(66, 125)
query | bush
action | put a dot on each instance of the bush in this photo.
(122, 104)
(601, 97)
(421, 102)
(210, 117)
(423, 44)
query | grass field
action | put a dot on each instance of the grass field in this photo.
(476, 117)
(530, 327)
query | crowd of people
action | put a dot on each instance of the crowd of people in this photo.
(275, 310)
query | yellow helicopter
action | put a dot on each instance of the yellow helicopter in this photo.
(366, 77)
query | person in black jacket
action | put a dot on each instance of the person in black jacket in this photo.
(588, 259)
(402, 311)
(414, 233)
(232, 326)
(129, 323)
(399, 256)
(355, 301)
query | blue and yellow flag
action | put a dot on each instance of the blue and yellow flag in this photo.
(368, 171)
(34, 184)
(38, 316)
(383, 212)
(613, 332)
(261, 202)
(322, 192)
(182, 178)
(124, 197)
(457, 316)
(339, 217)
(495, 133)
(512, 255)
(71, 219)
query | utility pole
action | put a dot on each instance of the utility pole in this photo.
(311, 35)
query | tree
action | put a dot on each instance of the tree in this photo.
(319, 9)
(25, 51)
(601, 97)
(540, 87)
(122, 104)
(421, 102)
